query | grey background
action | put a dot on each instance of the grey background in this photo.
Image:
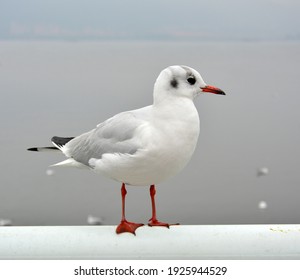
(151, 20)
(50, 86)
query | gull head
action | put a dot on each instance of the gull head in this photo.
(181, 81)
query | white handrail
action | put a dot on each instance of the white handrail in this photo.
(178, 242)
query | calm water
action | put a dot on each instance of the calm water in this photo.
(66, 88)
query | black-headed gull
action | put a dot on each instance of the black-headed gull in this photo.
(146, 146)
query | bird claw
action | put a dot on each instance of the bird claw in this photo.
(156, 223)
(126, 226)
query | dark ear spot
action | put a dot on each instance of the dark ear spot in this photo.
(174, 83)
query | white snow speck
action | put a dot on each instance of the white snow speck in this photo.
(262, 205)
(263, 171)
(50, 172)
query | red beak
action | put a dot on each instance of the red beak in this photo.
(212, 89)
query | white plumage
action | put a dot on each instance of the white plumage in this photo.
(147, 145)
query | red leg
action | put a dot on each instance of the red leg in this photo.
(153, 221)
(124, 225)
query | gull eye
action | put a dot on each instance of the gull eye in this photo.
(191, 80)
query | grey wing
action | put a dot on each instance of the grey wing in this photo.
(115, 135)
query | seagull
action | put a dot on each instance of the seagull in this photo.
(146, 146)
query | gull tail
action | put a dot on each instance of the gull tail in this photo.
(70, 162)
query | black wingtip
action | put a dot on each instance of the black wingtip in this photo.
(61, 141)
(33, 149)
(42, 149)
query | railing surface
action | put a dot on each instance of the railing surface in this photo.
(178, 242)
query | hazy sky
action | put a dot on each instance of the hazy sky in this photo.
(156, 19)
